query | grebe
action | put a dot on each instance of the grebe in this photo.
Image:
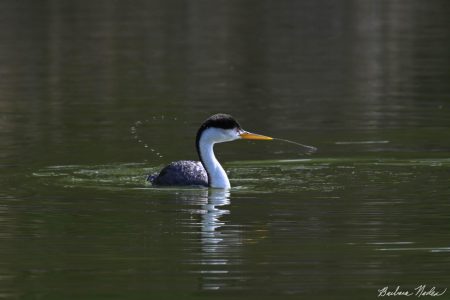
(218, 128)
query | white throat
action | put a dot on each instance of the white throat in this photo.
(216, 174)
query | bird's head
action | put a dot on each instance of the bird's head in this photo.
(221, 128)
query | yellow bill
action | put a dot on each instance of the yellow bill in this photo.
(253, 136)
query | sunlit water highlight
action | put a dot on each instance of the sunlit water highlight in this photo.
(289, 175)
(291, 222)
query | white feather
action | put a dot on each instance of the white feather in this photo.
(217, 175)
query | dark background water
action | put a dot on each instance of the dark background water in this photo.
(90, 92)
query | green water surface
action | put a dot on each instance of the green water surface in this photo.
(95, 96)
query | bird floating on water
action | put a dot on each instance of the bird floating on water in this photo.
(208, 171)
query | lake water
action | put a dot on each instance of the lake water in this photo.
(94, 96)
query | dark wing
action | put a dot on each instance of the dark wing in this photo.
(183, 172)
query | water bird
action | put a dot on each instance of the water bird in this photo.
(208, 171)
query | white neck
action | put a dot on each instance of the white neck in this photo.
(216, 174)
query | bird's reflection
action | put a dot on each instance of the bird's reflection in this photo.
(212, 211)
(219, 245)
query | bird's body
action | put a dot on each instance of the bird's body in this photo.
(208, 171)
(181, 172)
